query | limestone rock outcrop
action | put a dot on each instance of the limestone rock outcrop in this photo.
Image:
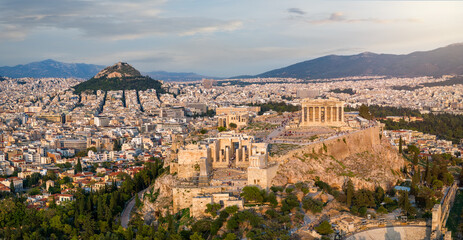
(364, 157)
(119, 69)
(162, 202)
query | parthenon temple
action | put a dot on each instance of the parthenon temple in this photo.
(322, 112)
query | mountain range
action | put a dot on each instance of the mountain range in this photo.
(442, 61)
(52, 68)
(176, 76)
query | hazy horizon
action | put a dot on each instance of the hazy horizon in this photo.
(219, 38)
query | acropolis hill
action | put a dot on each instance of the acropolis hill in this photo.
(362, 156)
(216, 170)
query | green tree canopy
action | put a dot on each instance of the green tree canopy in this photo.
(252, 194)
(324, 228)
(78, 167)
(364, 112)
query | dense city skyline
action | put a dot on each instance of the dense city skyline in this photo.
(219, 38)
(347, 125)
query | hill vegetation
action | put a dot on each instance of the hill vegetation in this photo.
(346, 90)
(279, 107)
(120, 76)
(92, 215)
(125, 83)
(445, 125)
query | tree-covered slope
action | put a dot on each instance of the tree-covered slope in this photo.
(120, 76)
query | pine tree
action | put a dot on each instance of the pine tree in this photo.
(108, 215)
(415, 159)
(428, 174)
(461, 177)
(349, 192)
(364, 111)
(78, 166)
(100, 209)
(416, 177)
(138, 202)
(89, 205)
(53, 203)
(81, 205)
(400, 144)
(404, 202)
(415, 181)
(379, 194)
(113, 202)
(434, 171)
(12, 189)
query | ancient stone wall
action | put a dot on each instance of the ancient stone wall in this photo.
(262, 176)
(197, 198)
(440, 212)
(361, 156)
(344, 145)
(183, 195)
(189, 160)
(199, 205)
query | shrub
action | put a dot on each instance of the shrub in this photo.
(382, 210)
(277, 189)
(272, 199)
(272, 213)
(213, 208)
(231, 209)
(289, 190)
(289, 203)
(324, 228)
(363, 211)
(252, 194)
(354, 210)
(312, 205)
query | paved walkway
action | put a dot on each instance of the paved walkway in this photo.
(320, 140)
(278, 130)
(125, 216)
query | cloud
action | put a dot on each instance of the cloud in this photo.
(107, 19)
(9, 31)
(339, 17)
(296, 11)
(220, 27)
(140, 56)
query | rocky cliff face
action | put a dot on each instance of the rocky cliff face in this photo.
(119, 69)
(362, 156)
(162, 203)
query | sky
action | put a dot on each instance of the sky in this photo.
(219, 38)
